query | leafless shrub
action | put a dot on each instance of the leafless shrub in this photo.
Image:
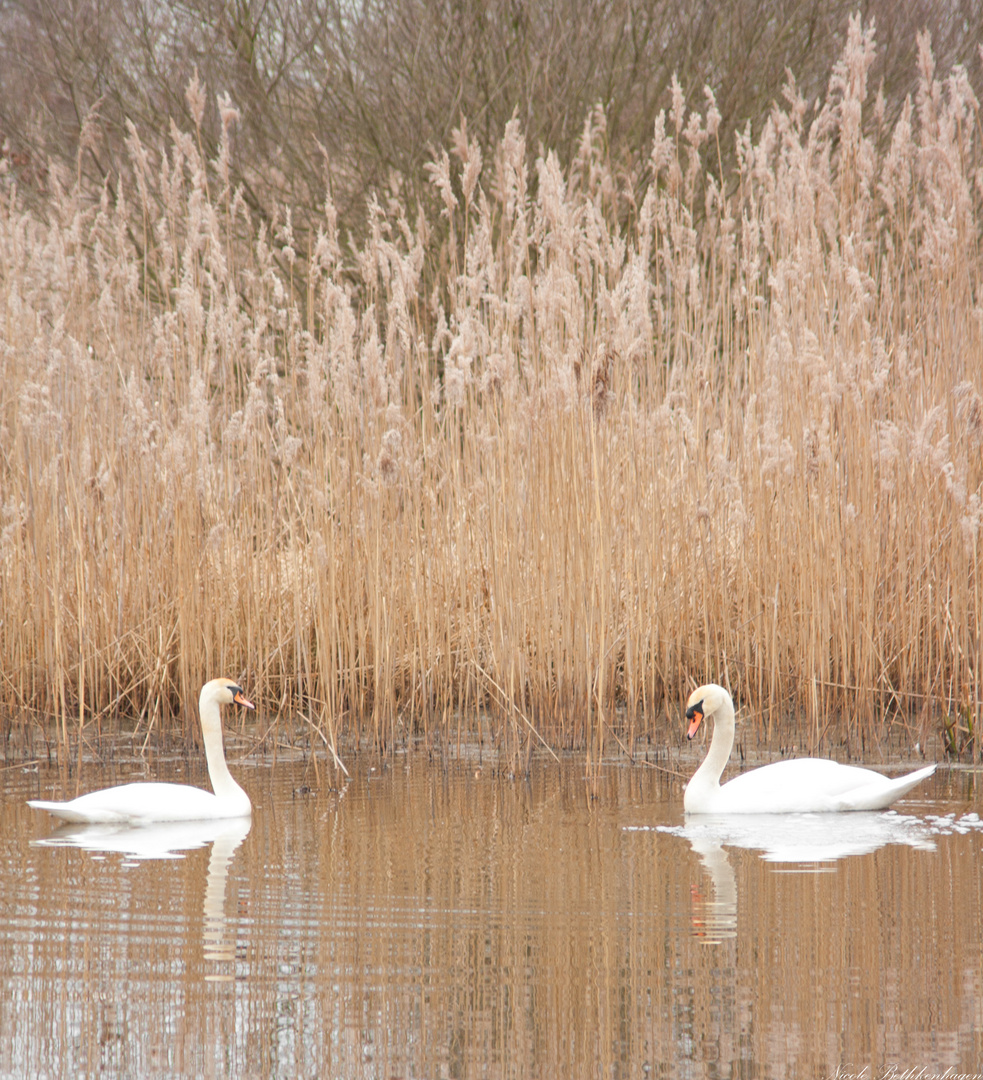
(353, 97)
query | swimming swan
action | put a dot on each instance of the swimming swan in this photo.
(804, 785)
(141, 802)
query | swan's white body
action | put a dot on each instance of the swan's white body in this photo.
(804, 785)
(139, 803)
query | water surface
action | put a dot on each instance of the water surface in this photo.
(438, 919)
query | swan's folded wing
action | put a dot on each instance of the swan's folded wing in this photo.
(136, 803)
(812, 785)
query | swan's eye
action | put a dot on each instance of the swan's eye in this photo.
(693, 710)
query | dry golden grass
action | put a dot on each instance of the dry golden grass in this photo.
(559, 469)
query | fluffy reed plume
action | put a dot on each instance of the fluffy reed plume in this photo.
(606, 433)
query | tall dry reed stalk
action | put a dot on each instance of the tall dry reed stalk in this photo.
(612, 437)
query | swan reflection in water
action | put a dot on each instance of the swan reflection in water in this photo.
(168, 840)
(809, 843)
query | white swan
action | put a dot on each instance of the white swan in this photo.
(142, 802)
(804, 785)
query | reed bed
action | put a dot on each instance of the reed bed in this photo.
(552, 451)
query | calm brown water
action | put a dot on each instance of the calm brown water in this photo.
(438, 922)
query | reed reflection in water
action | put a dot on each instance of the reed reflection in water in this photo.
(441, 921)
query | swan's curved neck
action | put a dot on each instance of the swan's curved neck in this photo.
(218, 771)
(706, 779)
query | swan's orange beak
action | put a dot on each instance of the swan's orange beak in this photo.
(694, 715)
(240, 699)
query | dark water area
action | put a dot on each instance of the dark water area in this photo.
(437, 918)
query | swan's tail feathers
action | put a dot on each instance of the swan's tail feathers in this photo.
(906, 783)
(881, 795)
(59, 809)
